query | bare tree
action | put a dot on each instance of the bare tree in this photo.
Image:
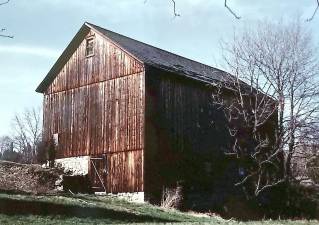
(305, 160)
(275, 68)
(27, 133)
(5, 144)
(7, 152)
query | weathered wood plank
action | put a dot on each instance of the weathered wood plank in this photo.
(96, 105)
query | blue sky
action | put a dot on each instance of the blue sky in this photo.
(43, 28)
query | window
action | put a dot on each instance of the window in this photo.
(56, 139)
(89, 50)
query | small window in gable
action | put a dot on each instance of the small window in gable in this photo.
(56, 139)
(89, 49)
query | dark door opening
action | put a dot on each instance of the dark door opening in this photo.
(98, 173)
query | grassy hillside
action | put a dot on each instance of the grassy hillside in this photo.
(85, 209)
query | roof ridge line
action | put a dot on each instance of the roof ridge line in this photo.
(155, 47)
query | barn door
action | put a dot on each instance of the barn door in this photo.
(98, 173)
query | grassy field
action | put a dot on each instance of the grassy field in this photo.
(85, 209)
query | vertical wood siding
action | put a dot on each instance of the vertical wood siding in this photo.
(96, 105)
(108, 62)
(182, 131)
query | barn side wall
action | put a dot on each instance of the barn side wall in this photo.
(185, 137)
(96, 107)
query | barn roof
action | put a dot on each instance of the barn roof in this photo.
(146, 53)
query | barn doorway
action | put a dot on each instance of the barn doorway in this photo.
(98, 173)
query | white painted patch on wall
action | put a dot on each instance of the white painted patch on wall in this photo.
(76, 165)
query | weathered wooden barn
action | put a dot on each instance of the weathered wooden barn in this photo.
(134, 117)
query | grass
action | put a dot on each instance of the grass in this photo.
(88, 209)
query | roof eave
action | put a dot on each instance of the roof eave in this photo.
(211, 82)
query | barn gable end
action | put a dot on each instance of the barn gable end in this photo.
(95, 107)
(108, 62)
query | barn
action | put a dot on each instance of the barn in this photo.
(135, 118)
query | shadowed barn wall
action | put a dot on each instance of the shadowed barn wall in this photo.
(185, 136)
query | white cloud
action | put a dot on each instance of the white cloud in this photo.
(30, 50)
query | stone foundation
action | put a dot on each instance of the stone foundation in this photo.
(137, 197)
(78, 166)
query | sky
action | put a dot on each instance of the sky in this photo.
(43, 28)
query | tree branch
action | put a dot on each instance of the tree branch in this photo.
(3, 3)
(175, 14)
(3, 35)
(314, 13)
(258, 191)
(3, 29)
(6, 36)
(231, 11)
(174, 7)
(226, 6)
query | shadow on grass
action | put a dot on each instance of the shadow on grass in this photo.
(25, 207)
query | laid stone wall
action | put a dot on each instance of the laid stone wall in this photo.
(78, 166)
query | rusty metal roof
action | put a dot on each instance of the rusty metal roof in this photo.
(146, 53)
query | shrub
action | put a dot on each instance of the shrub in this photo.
(10, 155)
(45, 151)
(171, 197)
(41, 153)
(290, 200)
(312, 168)
(51, 152)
